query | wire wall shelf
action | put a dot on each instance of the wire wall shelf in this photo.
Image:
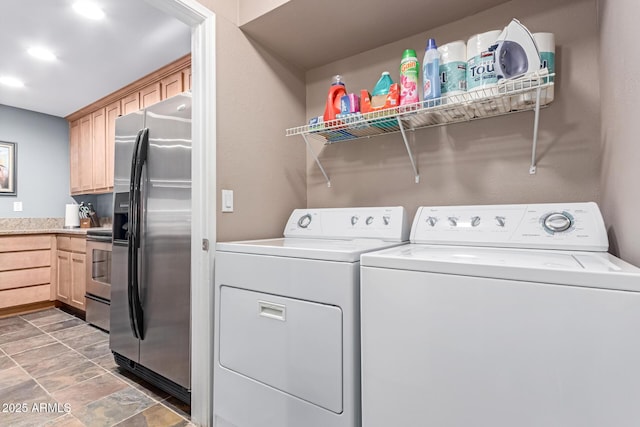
(528, 93)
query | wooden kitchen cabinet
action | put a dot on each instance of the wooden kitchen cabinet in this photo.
(131, 103)
(99, 148)
(81, 155)
(186, 79)
(150, 95)
(63, 278)
(71, 271)
(78, 280)
(25, 270)
(172, 85)
(92, 129)
(86, 153)
(113, 111)
(74, 154)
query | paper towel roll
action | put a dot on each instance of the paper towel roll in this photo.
(547, 47)
(481, 75)
(453, 63)
(71, 217)
(453, 76)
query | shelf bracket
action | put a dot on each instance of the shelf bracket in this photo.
(315, 157)
(536, 121)
(406, 144)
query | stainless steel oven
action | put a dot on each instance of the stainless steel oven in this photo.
(98, 296)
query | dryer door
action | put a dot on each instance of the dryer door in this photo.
(292, 345)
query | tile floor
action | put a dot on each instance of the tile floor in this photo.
(57, 370)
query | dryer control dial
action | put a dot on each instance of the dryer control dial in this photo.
(369, 220)
(354, 219)
(557, 222)
(432, 221)
(453, 221)
(475, 221)
(304, 221)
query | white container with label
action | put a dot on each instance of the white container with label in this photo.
(481, 74)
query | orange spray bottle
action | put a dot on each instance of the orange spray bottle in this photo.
(336, 91)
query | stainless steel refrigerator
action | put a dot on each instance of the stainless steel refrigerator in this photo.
(150, 278)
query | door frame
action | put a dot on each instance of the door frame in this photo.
(203, 200)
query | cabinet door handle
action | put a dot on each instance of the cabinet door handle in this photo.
(272, 310)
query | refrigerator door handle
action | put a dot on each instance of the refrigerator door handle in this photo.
(132, 263)
(136, 304)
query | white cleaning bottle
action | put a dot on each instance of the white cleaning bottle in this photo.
(431, 74)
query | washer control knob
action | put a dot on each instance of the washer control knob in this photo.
(453, 221)
(475, 221)
(354, 219)
(369, 220)
(500, 220)
(386, 219)
(304, 221)
(432, 221)
(557, 222)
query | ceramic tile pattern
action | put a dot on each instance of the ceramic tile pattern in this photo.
(57, 371)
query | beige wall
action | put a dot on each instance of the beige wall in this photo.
(249, 10)
(619, 63)
(258, 97)
(227, 9)
(480, 162)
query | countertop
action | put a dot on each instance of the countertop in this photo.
(20, 226)
(77, 231)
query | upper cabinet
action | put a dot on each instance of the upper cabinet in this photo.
(86, 154)
(92, 129)
(150, 94)
(131, 103)
(99, 147)
(74, 152)
(186, 78)
(172, 85)
(113, 111)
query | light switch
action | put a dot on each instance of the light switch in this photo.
(17, 206)
(227, 200)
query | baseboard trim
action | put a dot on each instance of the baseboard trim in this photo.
(26, 308)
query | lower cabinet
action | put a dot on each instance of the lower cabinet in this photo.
(71, 271)
(25, 270)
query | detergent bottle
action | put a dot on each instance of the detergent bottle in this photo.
(431, 74)
(336, 92)
(383, 84)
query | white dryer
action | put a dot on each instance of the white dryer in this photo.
(501, 316)
(287, 327)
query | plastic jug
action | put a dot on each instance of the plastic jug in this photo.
(431, 73)
(383, 85)
(336, 92)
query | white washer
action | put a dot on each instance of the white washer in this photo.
(501, 316)
(287, 329)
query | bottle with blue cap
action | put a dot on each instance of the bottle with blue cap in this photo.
(431, 74)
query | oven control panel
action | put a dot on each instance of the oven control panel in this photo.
(569, 226)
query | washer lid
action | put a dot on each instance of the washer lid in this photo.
(319, 249)
(600, 270)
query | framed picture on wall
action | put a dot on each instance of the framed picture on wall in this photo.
(8, 169)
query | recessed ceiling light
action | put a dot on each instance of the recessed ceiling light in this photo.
(88, 9)
(41, 53)
(11, 81)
